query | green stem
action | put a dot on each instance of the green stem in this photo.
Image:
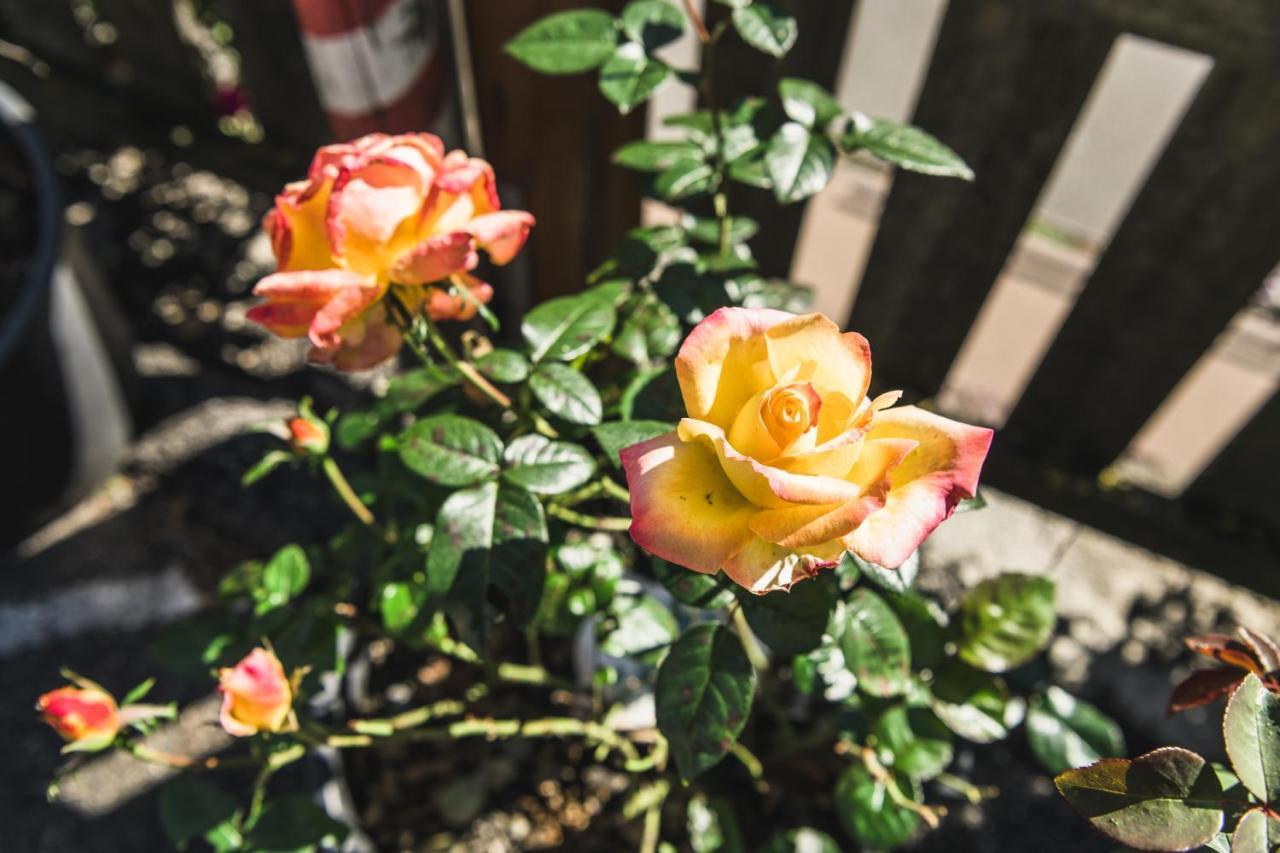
(603, 486)
(417, 325)
(494, 729)
(590, 522)
(612, 488)
(750, 762)
(344, 490)
(759, 660)
(971, 792)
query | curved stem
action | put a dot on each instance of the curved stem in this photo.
(612, 488)
(590, 522)
(699, 26)
(750, 762)
(344, 490)
(417, 325)
(931, 815)
(759, 660)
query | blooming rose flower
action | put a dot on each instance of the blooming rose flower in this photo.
(85, 716)
(784, 463)
(256, 695)
(380, 212)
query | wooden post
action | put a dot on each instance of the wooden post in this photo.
(1007, 81)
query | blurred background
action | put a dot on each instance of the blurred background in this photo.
(1105, 293)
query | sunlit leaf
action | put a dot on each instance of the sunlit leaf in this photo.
(567, 42)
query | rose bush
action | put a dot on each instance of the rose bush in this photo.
(784, 462)
(382, 212)
(766, 628)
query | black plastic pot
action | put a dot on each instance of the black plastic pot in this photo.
(63, 419)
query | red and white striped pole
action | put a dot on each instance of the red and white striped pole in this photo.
(377, 64)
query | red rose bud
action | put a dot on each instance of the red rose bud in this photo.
(256, 695)
(308, 435)
(84, 716)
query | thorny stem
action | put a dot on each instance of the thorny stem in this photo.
(590, 522)
(931, 815)
(344, 490)
(971, 792)
(416, 325)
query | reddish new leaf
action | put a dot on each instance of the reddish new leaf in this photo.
(1202, 687)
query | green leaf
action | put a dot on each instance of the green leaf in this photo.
(706, 229)
(191, 805)
(225, 837)
(488, 533)
(644, 624)
(656, 156)
(900, 579)
(799, 162)
(264, 466)
(653, 23)
(875, 645)
(803, 840)
(547, 467)
(451, 450)
(695, 589)
(905, 146)
(654, 395)
(616, 436)
(926, 625)
(1005, 621)
(630, 76)
(974, 704)
(756, 292)
(867, 812)
(920, 743)
(286, 575)
(1251, 728)
(567, 394)
(292, 823)
(763, 26)
(1257, 832)
(651, 331)
(684, 178)
(1168, 799)
(399, 604)
(703, 695)
(1066, 732)
(807, 103)
(567, 42)
(504, 365)
(793, 622)
(752, 170)
(410, 390)
(564, 328)
(1220, 843)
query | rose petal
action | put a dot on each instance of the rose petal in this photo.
(295, 298)
(373, 212)
(763, 567)
(723, 363)
(375, 341)
(346, 305)
(924, 490)
(828, 358)
(763, 485)
(683, 507)
(296, 225)
(436, 258)
(502, 234)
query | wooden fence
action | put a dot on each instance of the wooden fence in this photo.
(1005, 86)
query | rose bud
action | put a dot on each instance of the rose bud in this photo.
(256, 695)
(308, 435)
(86, 716)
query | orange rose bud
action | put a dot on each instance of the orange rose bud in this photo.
(308, 436)
(84, 716)
(256, 695)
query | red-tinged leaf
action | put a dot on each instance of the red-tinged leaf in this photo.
(1222, 648)
(1202, 687)
(1264, 648)
(1168, 799)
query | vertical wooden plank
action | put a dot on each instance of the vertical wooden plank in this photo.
(274, 69)
(742, 71)
(1197, 243)
(1243, 477)
(159, 61)
(1005, 86)
(551, 138)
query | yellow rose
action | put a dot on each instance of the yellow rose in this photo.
(784, 463)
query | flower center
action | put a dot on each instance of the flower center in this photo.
(788, 412)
